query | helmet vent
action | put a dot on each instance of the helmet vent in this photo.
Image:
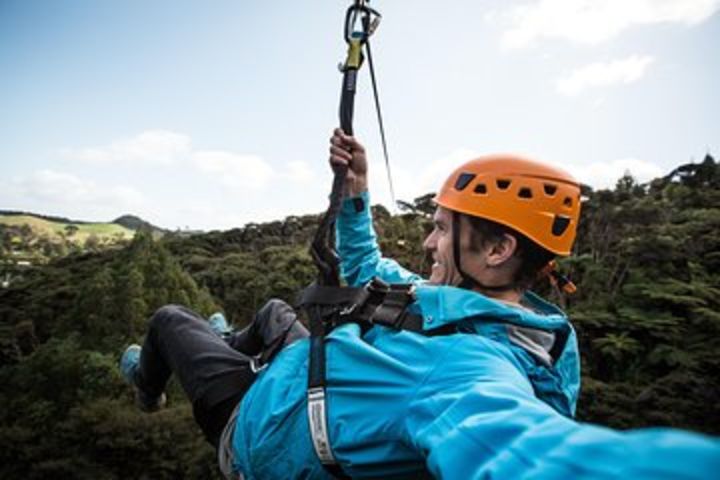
(463, 180)
(503, 184)
(567, 202)
(549, 189)
(560, 224)
(480, 188)
(525, 192)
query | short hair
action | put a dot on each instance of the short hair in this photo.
(533, 257)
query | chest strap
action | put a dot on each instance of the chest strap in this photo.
(378, 303)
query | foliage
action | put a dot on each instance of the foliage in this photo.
(648, 302)
(647, 313)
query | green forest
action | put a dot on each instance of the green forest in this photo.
(647, 312)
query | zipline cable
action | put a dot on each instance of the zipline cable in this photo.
(321, 316)
(380, 123)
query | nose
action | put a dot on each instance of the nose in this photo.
(430, 243)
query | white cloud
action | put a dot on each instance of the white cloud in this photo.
(151, 147)
(595, 21)
(168, 148)
(598, 103)
(299, 172)
(234, 170)
(606, 175)
(411, 184)
(53, 191)
(598, 175)
(604, 74)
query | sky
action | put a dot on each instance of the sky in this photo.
(210, 115)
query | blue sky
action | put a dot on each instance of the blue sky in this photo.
(214, 114)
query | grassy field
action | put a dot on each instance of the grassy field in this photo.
(55, 230)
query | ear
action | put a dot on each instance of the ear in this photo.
(500, 252)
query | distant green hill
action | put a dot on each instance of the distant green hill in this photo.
(74, 232)
(31, 238)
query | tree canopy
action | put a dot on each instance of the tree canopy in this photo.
(647, 313)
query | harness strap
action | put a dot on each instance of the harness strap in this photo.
(331, 296)
(330, 307)
(391, 312)
(378, 303)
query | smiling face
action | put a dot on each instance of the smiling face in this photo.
(488, 259)
(440, 245)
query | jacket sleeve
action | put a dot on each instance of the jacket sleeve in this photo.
(476, 417)
(360, 257)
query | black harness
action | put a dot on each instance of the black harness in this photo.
(326, 302)
(378, 303)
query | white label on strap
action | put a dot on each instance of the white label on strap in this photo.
(317, 416)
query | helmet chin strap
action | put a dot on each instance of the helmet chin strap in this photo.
(468, 282)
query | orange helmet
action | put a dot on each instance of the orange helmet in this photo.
(539, 201)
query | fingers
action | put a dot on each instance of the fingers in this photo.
(340, 156)
(347, 142)
(347, 156)
(340, 149)
(346, 152)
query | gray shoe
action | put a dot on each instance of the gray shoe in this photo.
(129, 363)
(219, 325)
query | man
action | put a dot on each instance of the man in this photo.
(486, 390)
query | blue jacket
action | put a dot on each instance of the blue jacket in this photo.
(485, 403)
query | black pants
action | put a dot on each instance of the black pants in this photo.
(215, 372)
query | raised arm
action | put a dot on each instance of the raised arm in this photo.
(361, 259)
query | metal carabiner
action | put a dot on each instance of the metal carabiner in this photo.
(369, 20)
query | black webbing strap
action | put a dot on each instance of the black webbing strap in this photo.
(391, 312)
(377, 303)
(322, 248)
(329, 307)
(316, 396)
(331, 296)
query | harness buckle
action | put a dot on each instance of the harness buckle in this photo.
(256, 365)
(391, 303)
(377, 285)
(348, 310)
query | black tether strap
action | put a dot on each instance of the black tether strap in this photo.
(322, 249)
(323, 317)
(329, 307)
